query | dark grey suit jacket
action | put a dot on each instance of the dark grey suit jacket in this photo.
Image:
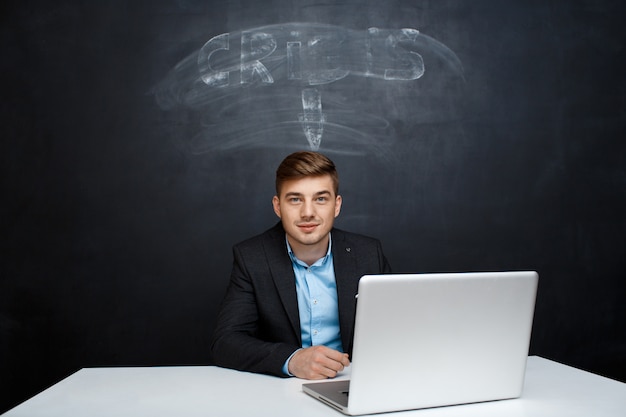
(258, 326)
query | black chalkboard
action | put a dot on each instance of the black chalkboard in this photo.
(140, 140)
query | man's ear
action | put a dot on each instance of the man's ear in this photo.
(276, 205)
(338, 201)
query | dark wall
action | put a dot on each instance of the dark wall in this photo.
(492, 139)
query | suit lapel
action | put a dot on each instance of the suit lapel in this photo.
(283, 276)
(347, 286)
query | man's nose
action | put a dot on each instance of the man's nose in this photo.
(308, 209)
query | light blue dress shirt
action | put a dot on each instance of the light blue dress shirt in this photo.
(316, 291)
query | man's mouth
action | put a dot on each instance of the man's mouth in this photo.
(307, 227)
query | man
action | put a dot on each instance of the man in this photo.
(290, 305)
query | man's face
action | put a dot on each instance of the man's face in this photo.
(307, 208)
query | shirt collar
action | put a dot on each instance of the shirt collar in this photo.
(320, 261)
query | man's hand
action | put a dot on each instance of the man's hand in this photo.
(317, 362)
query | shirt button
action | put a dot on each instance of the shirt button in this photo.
(315, 332)
(315, 302)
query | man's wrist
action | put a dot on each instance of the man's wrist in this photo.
(286, 365)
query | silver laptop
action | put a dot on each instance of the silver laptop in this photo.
(430, 340)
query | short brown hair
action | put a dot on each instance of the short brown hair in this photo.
(306, 164)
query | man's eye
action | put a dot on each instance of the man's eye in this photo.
(294, 199)
(322, 199)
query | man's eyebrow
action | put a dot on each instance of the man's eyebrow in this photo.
(297, 194)
(322, 192)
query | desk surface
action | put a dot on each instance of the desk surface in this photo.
(550, 389)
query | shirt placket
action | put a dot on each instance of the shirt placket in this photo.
(314, 303)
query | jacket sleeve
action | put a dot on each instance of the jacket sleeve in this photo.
(250, 333)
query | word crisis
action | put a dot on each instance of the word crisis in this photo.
(310, 54)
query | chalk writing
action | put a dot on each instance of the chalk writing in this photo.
(317, 57)
(312, 118)
(247, 84)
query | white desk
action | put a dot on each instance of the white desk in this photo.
(551, 389)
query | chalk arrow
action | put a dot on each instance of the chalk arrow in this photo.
(312, 118)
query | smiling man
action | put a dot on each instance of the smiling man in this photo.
(290, 304)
